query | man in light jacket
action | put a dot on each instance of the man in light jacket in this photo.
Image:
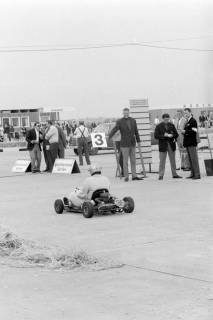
(53, 138)
(180, 123)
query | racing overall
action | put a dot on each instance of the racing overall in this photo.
(90, 185)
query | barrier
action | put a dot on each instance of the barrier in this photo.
(66, 166)
(21, 166)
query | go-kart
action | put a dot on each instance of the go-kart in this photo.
(101, 203)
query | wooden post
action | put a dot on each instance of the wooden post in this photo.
(141, 157)
(118, 169)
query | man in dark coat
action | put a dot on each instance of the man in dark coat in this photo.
(190, 143)
(34, 139)
(62, 143)
(129, 136)
(166, 134)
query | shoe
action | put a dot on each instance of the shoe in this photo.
(160, 178)
(196, 178)
(190, 177)
(177, 177)
(46, 170)
(126, 179)
(137, 178)
(186, 169)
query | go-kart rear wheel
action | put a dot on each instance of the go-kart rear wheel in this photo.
(59, 206)
(129, 205)
(88, 209)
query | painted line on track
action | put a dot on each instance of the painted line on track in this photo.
(169, 273)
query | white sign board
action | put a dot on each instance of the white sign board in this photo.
(22, 165)
(99, 140)
(66, 166)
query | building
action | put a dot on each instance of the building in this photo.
(19, 118)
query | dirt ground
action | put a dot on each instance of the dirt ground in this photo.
(164, 249)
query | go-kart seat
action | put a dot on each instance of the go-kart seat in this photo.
(101, 195)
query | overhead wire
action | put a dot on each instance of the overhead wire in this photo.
(148, 44)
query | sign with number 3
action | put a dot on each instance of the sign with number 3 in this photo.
(99, 140)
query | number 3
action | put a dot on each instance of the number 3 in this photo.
(98, 140)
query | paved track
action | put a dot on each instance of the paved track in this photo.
(165, 246)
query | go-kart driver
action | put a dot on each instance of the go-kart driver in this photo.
(95, 182)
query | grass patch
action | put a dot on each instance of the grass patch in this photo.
(27, 253)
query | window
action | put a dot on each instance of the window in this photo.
(15, 122)
(25, 121)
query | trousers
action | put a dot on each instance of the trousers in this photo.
(53, 153)
(162, 164)
(194, 162)
(129, 153)
(83, 146)
(35, 156)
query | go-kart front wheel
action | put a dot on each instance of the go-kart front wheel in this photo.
(129, 205)
(88, 209)
(59, 206)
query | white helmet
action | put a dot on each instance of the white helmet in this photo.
(94, 168)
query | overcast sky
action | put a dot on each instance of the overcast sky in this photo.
(100, 82)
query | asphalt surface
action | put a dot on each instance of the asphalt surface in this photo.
(164, 247)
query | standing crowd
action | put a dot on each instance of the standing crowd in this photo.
(184, 132)
(52, 140)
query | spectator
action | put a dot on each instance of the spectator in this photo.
(46, 149)
(12, 132)
(61, 142)
(179, 123)
(34, 139)
(190, 143)
(7, 131)
(156, 121)
(129, 136)
(166, 134)
(23, 131)
(52, 137)
(210, 118)
(82, 135)
(203, 119)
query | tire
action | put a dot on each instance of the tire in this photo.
(129, 205)
(88, 209)
(59, 206)
(76, 151)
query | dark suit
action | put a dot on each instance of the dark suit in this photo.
(190, 143)
(129, 136)
(61, 142)
(166, 144)
(34, 148)
(160, 130)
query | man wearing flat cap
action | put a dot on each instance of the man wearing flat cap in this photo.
(166, 134)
